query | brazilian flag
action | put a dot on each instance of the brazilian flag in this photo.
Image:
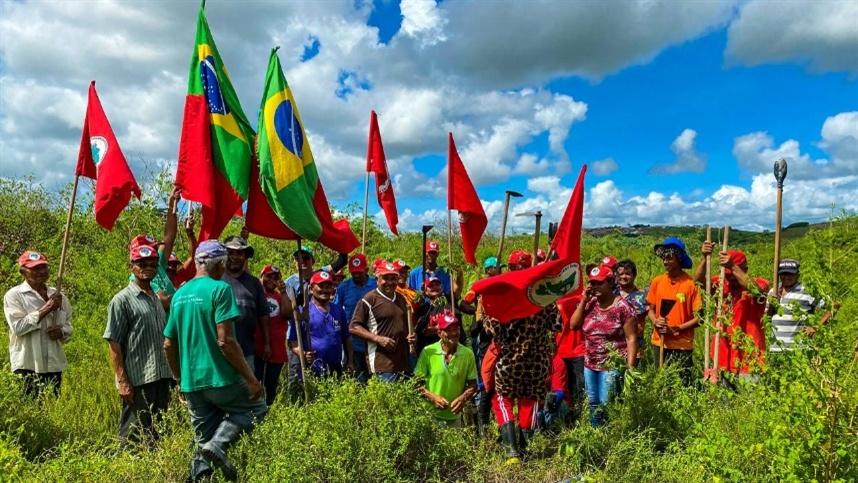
(287, 171)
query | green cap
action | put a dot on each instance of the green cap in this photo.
(304, 248)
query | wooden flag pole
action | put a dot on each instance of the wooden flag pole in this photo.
(508, 195)
(708, 311)
(412, 346)
(365, 213)
(780, 170)
(64, 250)
(450, 254)
(719, 310)
(299, 318)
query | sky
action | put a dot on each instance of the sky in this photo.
(679, 108)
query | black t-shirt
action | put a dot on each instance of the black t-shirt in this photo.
(251, 301)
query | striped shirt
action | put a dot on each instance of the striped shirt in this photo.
(135, 321)
(784, 324)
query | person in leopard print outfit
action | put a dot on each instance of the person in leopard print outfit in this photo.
(521, 373)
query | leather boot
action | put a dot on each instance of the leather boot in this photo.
(509, 436)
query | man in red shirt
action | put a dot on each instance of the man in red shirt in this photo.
(742, 344)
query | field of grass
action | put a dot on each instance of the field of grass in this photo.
(797, 424)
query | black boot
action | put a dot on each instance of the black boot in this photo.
(509, 436)
(525, 435)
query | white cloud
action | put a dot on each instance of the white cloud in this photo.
(822, 34)
(530, 165)
(423, 20)
(756, 152)
(604, 167)
(687, 157)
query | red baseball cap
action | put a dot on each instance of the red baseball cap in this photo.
(520, 258)
(444, 320)
(321, 277)
(609, 262)
(139, 252)
(432, 246)
(357, 264)
(400, 264)
(738, 257)
(31, 259)
(143, 239)
(269, 269)
(600, 273)
(541, 255)
(173, 258)
(430, 280)
(385, 268)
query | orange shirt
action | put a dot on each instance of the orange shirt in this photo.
(688, 302)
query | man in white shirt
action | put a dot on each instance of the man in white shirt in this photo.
(39, 324)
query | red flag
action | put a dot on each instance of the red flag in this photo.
(519, 294)
(462, 197)
(377, 163)
(101, 159)
(261, 219)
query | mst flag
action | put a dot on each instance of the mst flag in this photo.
(519, 294)
(462, 197)
(101, 159)
(377, 163)
(215, 147)
(287, 171)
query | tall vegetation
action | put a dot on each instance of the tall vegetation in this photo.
(797, 424)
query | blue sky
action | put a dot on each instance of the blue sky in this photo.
(679, 108)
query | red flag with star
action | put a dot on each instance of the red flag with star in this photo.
(101, 159)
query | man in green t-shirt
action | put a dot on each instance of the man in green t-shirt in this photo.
(222, 394)
(448, 370)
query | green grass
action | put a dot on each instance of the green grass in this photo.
(797, 424)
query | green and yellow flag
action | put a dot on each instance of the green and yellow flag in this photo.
(215, 150)
(287, 170)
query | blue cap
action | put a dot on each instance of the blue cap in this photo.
(210, 249)
(673, 242)
(491, 262)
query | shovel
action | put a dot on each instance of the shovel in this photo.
(664, 309)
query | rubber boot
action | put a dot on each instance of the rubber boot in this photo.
(509, 436)
(525, 436)
(215, 449)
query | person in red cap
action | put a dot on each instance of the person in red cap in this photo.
(39, 320)
(178, 271)
(747, 309)
(402, 288)
(381, 320)
(349, 293)
(610, 262)
(609, 324)
(432, 302)
(135, 324)
(519, 260)
(162, 284)
(541, 256)
(447, 370)
(279, 312)
(325, 333)
(417, 277)
(567, 366)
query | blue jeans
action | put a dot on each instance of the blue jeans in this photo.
(389, 376)
(219, 416)
(601, 388)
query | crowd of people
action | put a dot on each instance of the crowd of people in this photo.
(222, 335)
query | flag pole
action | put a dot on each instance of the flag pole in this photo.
(719, 309)
(450, 255)
(365, 211)
(708, 310)
(780, 174)
(299, 318)
(64, 250)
